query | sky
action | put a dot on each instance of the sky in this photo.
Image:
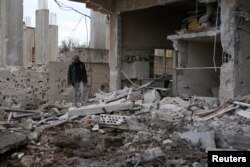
(66, 20)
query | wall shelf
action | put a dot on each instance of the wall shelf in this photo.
(197, 36)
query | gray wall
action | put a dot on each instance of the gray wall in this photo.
(99, 31)
(243, 61)
(149, 28)
(199, 82)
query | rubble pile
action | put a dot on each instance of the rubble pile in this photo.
(130, 127)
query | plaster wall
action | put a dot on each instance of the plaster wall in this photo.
(198, 82)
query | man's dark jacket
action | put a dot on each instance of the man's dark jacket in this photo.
(77, 73)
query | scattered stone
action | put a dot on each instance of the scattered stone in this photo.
(10, 140)
(151, 96)
(196, 164)
(245, 114)
(112, 142)
(206, 138)
(28, 161)
(74, 138)
(167, 141)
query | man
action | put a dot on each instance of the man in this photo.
(77, 77)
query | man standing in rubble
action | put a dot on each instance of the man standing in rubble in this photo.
(77, 77)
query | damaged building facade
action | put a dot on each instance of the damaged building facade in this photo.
(211, 60)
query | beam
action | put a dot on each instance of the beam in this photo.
(107, 6)
(130, 5)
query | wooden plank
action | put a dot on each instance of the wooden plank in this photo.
(218, 113)
(242, 104)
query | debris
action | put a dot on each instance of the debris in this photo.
(153, 155)
(245, 114)
(112, 142)
(220, 112)
(74, 138)
(9, 140)
(101, 108)
(206, 138)
(151, 96)
(28, 161)
(238, 142)
(242, 104)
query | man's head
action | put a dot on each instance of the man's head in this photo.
(76, 59)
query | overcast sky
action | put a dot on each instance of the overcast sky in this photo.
(66, 20)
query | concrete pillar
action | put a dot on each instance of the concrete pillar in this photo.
(115, 52)
(28, 44)
(228, 41)
(53, 42)
(99, 31)
(11, 32)
(42, 36)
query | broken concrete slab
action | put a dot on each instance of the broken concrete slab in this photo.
(101, 108)
(112, 142)
(206, 138)
(151, 96)
(175, 100)
(10, 140)
(238, 142)
(244, 113)
(149, 156)
(74, 138)
(28, 161)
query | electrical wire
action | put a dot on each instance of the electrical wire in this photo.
(69, 8)
(77, 24)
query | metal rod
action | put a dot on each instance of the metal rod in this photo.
(197, 68)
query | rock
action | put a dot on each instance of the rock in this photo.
(196, 164)
(33, 136)
(245, 114)
(144, 136)
(206, 138)
(112, 142)
(27, 124)
(151, 96)
(194, 108)
(74, 138)
(152, 154)
(134, 125)
(149, 156)
(28, 161)
(175, 136)
(188, 113)
(95, 128)
(169, 113)
(9, 140)
(167, 141)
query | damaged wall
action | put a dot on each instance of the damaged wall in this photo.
(198, 82)
(97, 71)
(242, 86)
(228, 41)
(149, 28)
(23, 86)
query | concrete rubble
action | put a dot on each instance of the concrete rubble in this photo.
(130, 127)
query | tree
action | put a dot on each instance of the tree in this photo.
(68, 45)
